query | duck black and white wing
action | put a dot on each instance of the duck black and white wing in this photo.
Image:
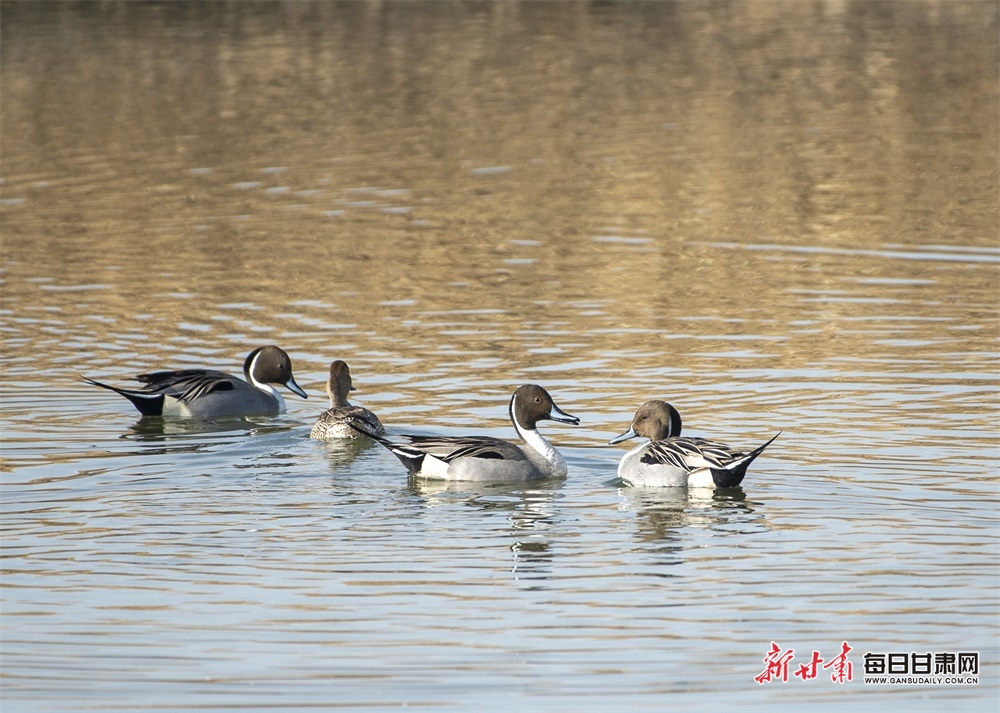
(446, 449)
(187, 384)
(727, 465)
(184, 386)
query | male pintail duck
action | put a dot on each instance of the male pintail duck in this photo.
(669, 460)
(486, 459)
(333, 423)
(205, 393)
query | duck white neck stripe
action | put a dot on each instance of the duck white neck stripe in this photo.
(252, 378)
(513, 417)
(266, 388)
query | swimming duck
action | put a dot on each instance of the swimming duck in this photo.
(335, 421)
(670, 460)
(486, 459)
(205, 393)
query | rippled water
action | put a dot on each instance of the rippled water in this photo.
(777, 215)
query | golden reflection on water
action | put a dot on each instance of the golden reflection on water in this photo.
(778, 215)
(643, 191)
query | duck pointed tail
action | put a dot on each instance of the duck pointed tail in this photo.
(733, 473)
(409, 457)
(147, 404)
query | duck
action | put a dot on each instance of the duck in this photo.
(671, 460)
(206, 393)
(334, 422)
(487, 459)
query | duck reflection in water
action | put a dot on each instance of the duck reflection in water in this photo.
(528, 514)
(662, 514)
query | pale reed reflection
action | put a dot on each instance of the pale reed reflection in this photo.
(382, 225)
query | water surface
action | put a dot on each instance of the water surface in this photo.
(776, 215)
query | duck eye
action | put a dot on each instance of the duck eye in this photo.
(538, 399)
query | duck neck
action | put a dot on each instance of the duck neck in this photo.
(338, 400)
(266, 388)
(272, 392)
(539, 451)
